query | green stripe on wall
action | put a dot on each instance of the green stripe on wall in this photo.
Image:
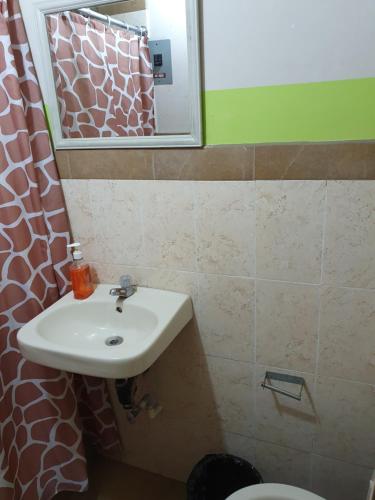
(327, 111)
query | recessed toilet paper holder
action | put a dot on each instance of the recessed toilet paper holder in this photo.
(283, 377)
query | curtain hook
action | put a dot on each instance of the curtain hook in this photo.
(109, 21)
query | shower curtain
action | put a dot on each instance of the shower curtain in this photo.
(41, 420)
(103, 77)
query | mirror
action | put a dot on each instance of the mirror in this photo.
(118, 74)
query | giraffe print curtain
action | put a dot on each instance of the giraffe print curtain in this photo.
(41, 421)
(103, 77)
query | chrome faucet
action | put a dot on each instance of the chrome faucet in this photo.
(126, 290)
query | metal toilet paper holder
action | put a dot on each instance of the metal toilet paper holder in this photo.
(282, 377)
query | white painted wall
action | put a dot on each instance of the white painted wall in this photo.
(137, 18)
(251, 43)
(167, 19)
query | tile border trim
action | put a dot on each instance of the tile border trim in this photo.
(244, 162)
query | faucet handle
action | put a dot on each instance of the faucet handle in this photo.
(126, 281)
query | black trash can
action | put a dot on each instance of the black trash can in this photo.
(217, 476)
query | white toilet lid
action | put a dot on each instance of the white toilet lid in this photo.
(273, 491)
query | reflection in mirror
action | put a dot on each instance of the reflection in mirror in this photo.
(121, 69)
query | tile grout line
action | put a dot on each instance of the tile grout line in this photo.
(318, 331)
(299, 450)
(142, 221)
(194, 188)
(253, 278)
(197, 276)
(320, 286)
(255, 313)
(303, 148)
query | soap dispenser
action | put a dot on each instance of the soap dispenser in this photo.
(80, 274)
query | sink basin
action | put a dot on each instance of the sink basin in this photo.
(90, 337)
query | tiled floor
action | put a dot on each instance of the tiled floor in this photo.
(116, 481)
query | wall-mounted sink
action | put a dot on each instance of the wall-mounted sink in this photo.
(90, 337)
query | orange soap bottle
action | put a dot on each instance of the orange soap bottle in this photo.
(80, 274)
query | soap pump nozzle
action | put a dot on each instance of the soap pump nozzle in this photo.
(77, 254)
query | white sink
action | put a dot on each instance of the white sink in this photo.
(71, 335)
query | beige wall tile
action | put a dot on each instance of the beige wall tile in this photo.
(178, 379)
(370, 171)
(166, 279)
(111, 273)
(210, 163)
(276, 161)
(80, 213)
(175, 281)
(278, 464)
(336, 480)
(315, 161)
(347, 415)
(225, 314)
(225, 228)
(224, 162)
(116, 209)
(111, 164)
(232, 385)
(341, 160)
(63, 164)
(239, 446)
(350, 234)
(168, 225)
(287, 325)
(153, 231)
(282, 420)
(347, 340)
(289, 230)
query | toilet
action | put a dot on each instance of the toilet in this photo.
(273, 491)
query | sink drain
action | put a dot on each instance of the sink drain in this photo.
(112, 341)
